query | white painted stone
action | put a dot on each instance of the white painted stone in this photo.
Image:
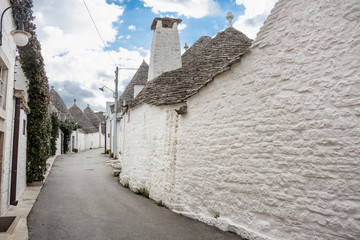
(154, 149)
(272, 145)
(7, 58)
(165, 50)
(269, 149)
(137, 89)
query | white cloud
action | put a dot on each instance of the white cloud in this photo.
(181, 26)
(256, 11)
(128, 37)
(72, 49)
(187, 8)
(132, 28)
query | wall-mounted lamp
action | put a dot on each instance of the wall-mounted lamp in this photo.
(21, 37)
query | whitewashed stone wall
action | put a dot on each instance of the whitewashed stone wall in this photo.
(108, 133)
(58, 143)
(165, 50)
(92, 140)
(149, 150)
(80, 139)
(21, 171)
(269, 149)
(7, 56)
(21, 83)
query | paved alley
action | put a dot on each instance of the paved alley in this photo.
(82, 200)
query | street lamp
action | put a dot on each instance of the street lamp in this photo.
(21, 37)
(102, 89)
(116, 95)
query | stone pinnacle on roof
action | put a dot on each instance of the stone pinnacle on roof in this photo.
(230, 17)
(166, 22)
(186, 47)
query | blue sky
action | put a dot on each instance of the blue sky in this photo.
(76, 60)
(195, 27)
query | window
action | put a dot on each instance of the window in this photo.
(24, 127)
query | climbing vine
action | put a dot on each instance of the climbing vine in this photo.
(55, 126)
(67, 127)
(38, 93)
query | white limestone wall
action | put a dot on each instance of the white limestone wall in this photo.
(149, 150)
(92, 140)
(80, 140)
(58, 143)
(21, 171)
(137, 89)
(165, 50)
(102, 140)
(271, 149)
(7, 57)
(108, 133)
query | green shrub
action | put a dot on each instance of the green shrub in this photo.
(160, 203)
(126, 185)
(111, 155)
(75, 150)
(142, 191)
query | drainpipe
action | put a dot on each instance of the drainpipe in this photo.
(14, 164)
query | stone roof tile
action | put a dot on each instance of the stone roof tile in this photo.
(140, 78)
(94, 120)
(82, 120)
(195, 48)
(60, 106)
(177, 85)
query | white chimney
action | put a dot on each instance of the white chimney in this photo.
(137, 89)
(165, 48)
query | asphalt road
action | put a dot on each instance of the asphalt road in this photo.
(82, 200)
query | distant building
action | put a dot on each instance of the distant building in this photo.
(58, 107)
(89, 135)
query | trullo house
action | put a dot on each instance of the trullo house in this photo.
(260, 138)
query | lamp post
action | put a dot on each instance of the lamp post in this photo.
(116, 96)
(115, 112)
(21, 37)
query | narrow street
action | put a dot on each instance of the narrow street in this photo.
(82, 200)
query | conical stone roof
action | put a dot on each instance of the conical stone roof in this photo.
(59, 105)
(81, 119)
(140, 78)
(177, 85)
(195, 48)
(92, 116)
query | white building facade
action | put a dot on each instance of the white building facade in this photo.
(13, 102)
(269, 147)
